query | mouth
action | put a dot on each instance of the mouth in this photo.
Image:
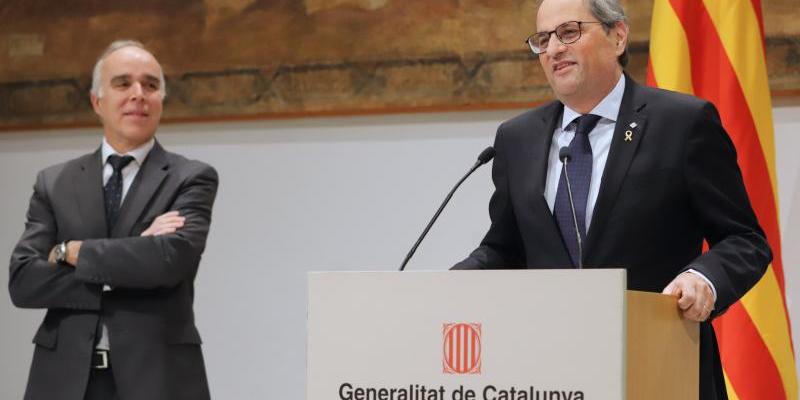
(561, 65)
(136, 114)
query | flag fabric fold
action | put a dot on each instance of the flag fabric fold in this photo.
(714, 49)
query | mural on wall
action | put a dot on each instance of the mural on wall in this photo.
(230, 59)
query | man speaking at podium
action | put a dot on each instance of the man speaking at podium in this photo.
(651, 175)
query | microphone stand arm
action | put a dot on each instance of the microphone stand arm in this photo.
(436, 216)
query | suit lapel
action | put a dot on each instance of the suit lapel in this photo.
(88, 186)
(149, 178)
(628, 133)
(542, 137)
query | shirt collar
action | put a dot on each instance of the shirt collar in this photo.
(608, 108)
(138, 154)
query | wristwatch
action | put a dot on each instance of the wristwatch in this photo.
(61, 253)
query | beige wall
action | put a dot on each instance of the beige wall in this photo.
(312, 194)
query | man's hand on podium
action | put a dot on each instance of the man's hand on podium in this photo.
(695, 296)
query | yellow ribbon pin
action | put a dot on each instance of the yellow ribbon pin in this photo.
(628, 136)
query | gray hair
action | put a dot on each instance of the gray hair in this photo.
(609, 13)
(97, 78)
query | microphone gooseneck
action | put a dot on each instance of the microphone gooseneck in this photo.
(565, 155)
(486, 155)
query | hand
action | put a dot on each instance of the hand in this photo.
(694, 294)
(168, 222)
(73, 250)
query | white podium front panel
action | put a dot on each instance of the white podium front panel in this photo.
(466, 335)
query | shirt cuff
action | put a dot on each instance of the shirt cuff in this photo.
(700, 274)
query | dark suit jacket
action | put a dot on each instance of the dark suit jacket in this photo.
(673, 185)
(155, 346)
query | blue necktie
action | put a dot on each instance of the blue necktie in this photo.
(113, 189)
(579, 168)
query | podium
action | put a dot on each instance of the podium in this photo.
(495, 335)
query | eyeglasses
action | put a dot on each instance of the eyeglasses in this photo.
(568, 32)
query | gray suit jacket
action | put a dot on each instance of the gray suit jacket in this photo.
(155, 344)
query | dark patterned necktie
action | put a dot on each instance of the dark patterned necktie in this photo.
(579, 169)
(113, 189)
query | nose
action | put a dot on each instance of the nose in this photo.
(554, 46)
(136, 91)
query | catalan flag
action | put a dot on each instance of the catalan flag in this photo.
(714, 49)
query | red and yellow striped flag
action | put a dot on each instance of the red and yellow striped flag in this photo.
(714, 49)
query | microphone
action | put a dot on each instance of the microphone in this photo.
(486, 155)
(565, 155)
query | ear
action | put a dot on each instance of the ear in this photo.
(620, 36)
(95, 103)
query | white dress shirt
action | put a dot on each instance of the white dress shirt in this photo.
(599, 138)
(129, 172)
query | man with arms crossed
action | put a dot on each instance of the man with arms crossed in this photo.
(111, 248)
(653, 174)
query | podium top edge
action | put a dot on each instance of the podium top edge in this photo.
(531, 271)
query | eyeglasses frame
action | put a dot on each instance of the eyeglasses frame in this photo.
(550, 34)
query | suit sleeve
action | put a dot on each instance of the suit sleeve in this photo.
(33, 281)
(147, 262)
(502, 245)
(738, 250)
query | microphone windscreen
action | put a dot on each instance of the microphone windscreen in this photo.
(486, 155)
(564, 154)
